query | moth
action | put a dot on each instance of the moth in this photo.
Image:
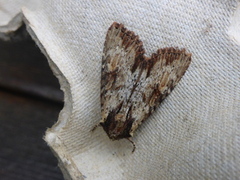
(133, 85)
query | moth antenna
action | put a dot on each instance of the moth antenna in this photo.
(95, 127)
(134, 146)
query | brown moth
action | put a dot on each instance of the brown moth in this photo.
(133, 85)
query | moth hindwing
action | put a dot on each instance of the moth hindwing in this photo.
(133, 85)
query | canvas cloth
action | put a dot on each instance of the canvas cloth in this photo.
(194, 134)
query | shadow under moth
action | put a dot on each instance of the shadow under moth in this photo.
(133, 85)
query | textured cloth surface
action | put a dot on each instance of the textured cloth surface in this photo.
(10, 13)
(194, 134)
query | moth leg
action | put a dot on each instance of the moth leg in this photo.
(95, 127)
(134, 146)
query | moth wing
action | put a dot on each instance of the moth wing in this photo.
(121, 48)
(159, 76)
(133, 85)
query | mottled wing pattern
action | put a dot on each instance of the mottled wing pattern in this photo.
(121, 50)
(159, 75)
(132, 85)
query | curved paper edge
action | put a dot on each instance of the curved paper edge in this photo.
(11, 27)
(67, 166)
(13, 24)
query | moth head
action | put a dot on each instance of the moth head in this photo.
(114, 135)
(117, 129)
(117, 126)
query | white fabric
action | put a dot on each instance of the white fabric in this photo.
(194, 134)
(10, 13)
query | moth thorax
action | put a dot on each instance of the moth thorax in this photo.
(119, 117)
(153, 100)
(162, 88)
